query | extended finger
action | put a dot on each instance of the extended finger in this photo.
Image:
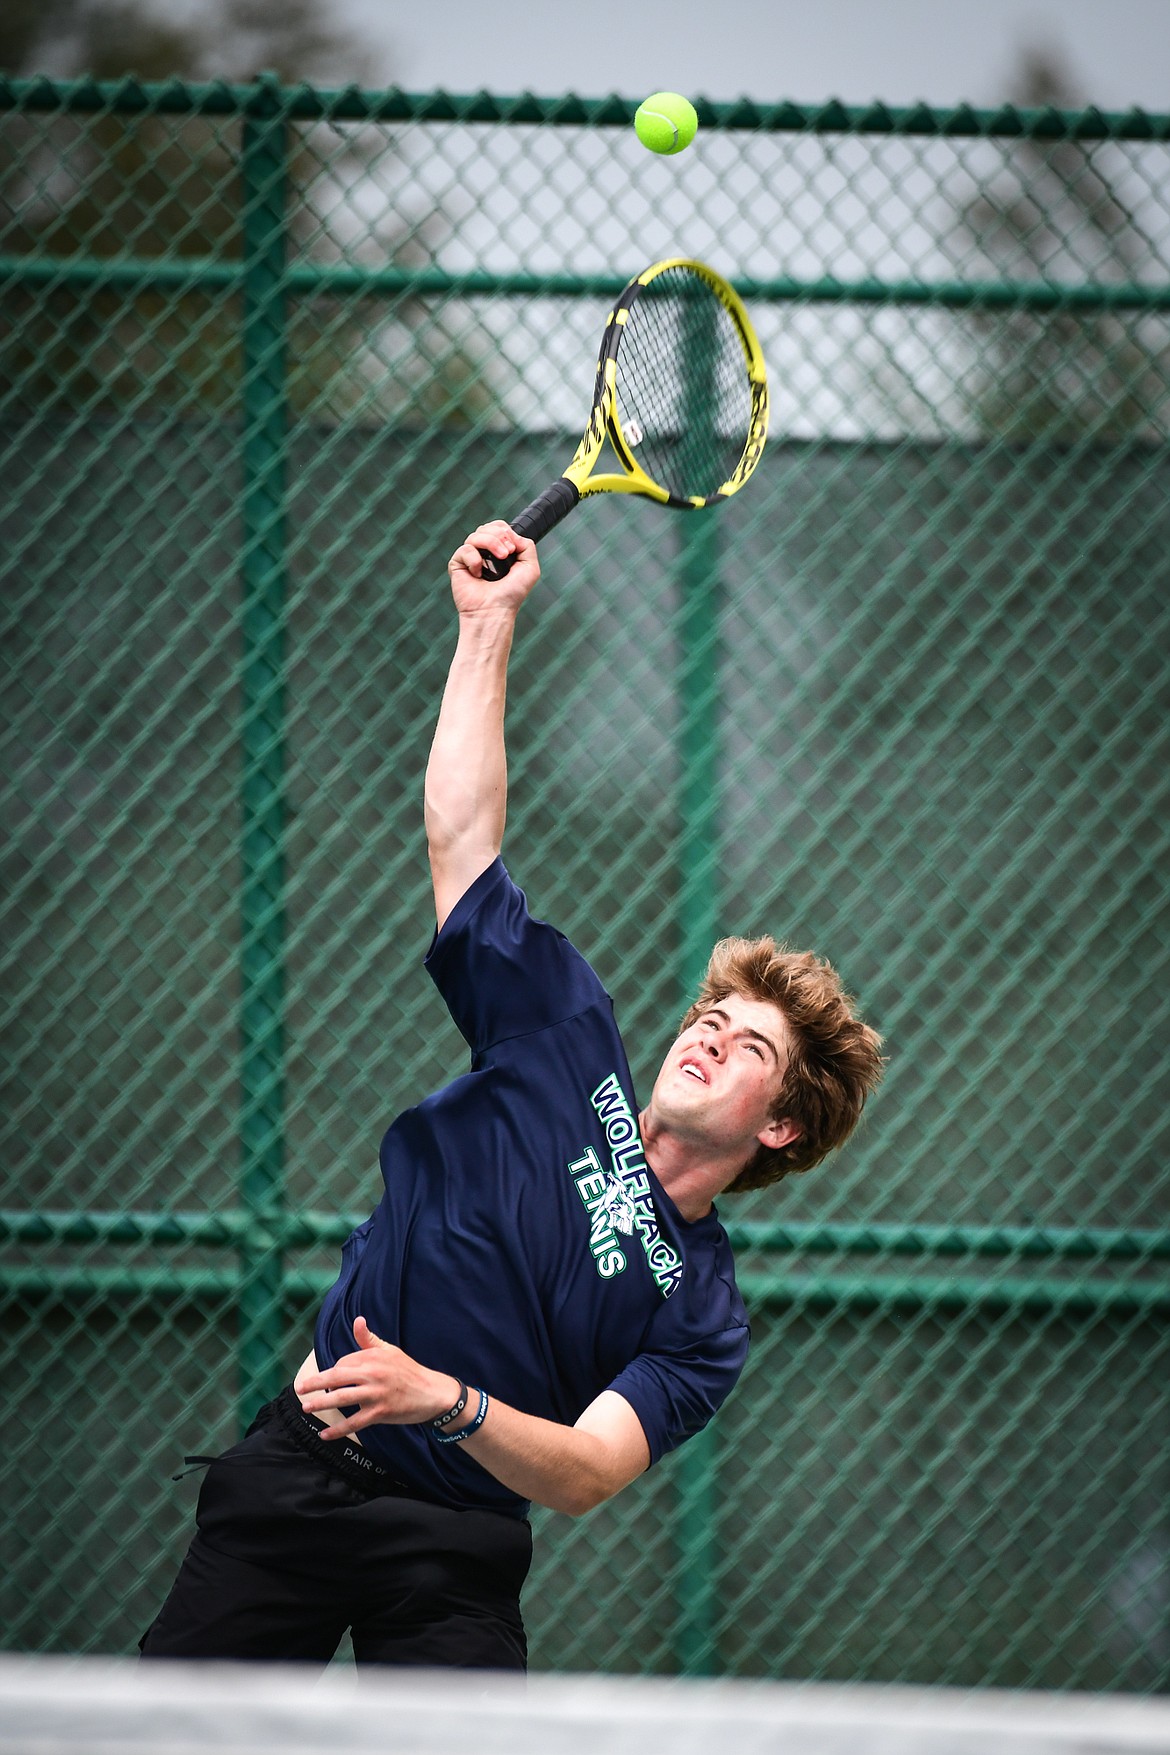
(361, 1366)
(330, 1378)
(345, 1429)
(343, 1396)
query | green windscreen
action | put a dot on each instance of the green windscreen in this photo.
(266, 357)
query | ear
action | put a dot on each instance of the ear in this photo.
(779, 1133)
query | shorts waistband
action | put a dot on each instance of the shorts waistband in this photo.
(339, 1454)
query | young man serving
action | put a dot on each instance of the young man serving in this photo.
(544, 1301)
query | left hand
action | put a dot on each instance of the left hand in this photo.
(388, 1386)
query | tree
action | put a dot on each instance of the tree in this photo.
(1057, 214)
(228, 39)
(110, 186)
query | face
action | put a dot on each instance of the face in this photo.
(721, 1077)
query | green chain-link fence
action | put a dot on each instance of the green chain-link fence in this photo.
(265, 356)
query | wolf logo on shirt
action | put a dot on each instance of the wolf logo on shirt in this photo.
(619, 1206)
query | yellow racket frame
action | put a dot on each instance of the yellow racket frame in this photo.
(578, 480)
(604, 421)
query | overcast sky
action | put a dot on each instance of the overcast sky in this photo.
(1117, 52)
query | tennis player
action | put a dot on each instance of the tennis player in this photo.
(544, 1301)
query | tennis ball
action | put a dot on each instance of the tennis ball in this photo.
(666, 122)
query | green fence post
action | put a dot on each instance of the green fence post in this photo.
(699, 901)
(264, 171)
(698, 688)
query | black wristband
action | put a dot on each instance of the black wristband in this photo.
(466, 1431)
(452, 1413)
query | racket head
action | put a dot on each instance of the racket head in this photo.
(681, 390)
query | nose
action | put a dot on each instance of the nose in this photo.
(714, 1044)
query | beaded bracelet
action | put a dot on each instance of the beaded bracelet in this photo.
(452, 1413)
(458, 1437)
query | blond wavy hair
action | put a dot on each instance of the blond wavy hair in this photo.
(835, 1061)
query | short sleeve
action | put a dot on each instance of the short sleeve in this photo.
(503, 974)
(675, 1394)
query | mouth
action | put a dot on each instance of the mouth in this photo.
(692, 1070)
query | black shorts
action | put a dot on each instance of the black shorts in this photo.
(299, 1541)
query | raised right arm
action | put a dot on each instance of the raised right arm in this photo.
(466, 791)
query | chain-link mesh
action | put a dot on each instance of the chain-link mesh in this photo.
(265, 356)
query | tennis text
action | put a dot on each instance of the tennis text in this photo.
(632, 1198)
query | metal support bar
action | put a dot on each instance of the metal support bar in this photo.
(264, 173)
(1063, 1243)
(208, 274)
(131, 96)
(932, 1243)
(699, 873)
(952, 1297)
(893, 1296)
(302, 1229)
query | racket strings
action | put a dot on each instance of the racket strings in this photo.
(683, 395)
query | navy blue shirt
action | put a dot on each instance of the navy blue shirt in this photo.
(522, 1243)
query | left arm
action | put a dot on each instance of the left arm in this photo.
(568, 1468)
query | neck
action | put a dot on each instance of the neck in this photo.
(686, 1171)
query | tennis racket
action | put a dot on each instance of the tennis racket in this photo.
(681, 394)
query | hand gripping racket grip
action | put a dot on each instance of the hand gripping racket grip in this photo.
(536, 520)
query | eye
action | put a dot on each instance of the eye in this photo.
(754, 1048)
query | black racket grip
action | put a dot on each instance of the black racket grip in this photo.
(536, 520)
